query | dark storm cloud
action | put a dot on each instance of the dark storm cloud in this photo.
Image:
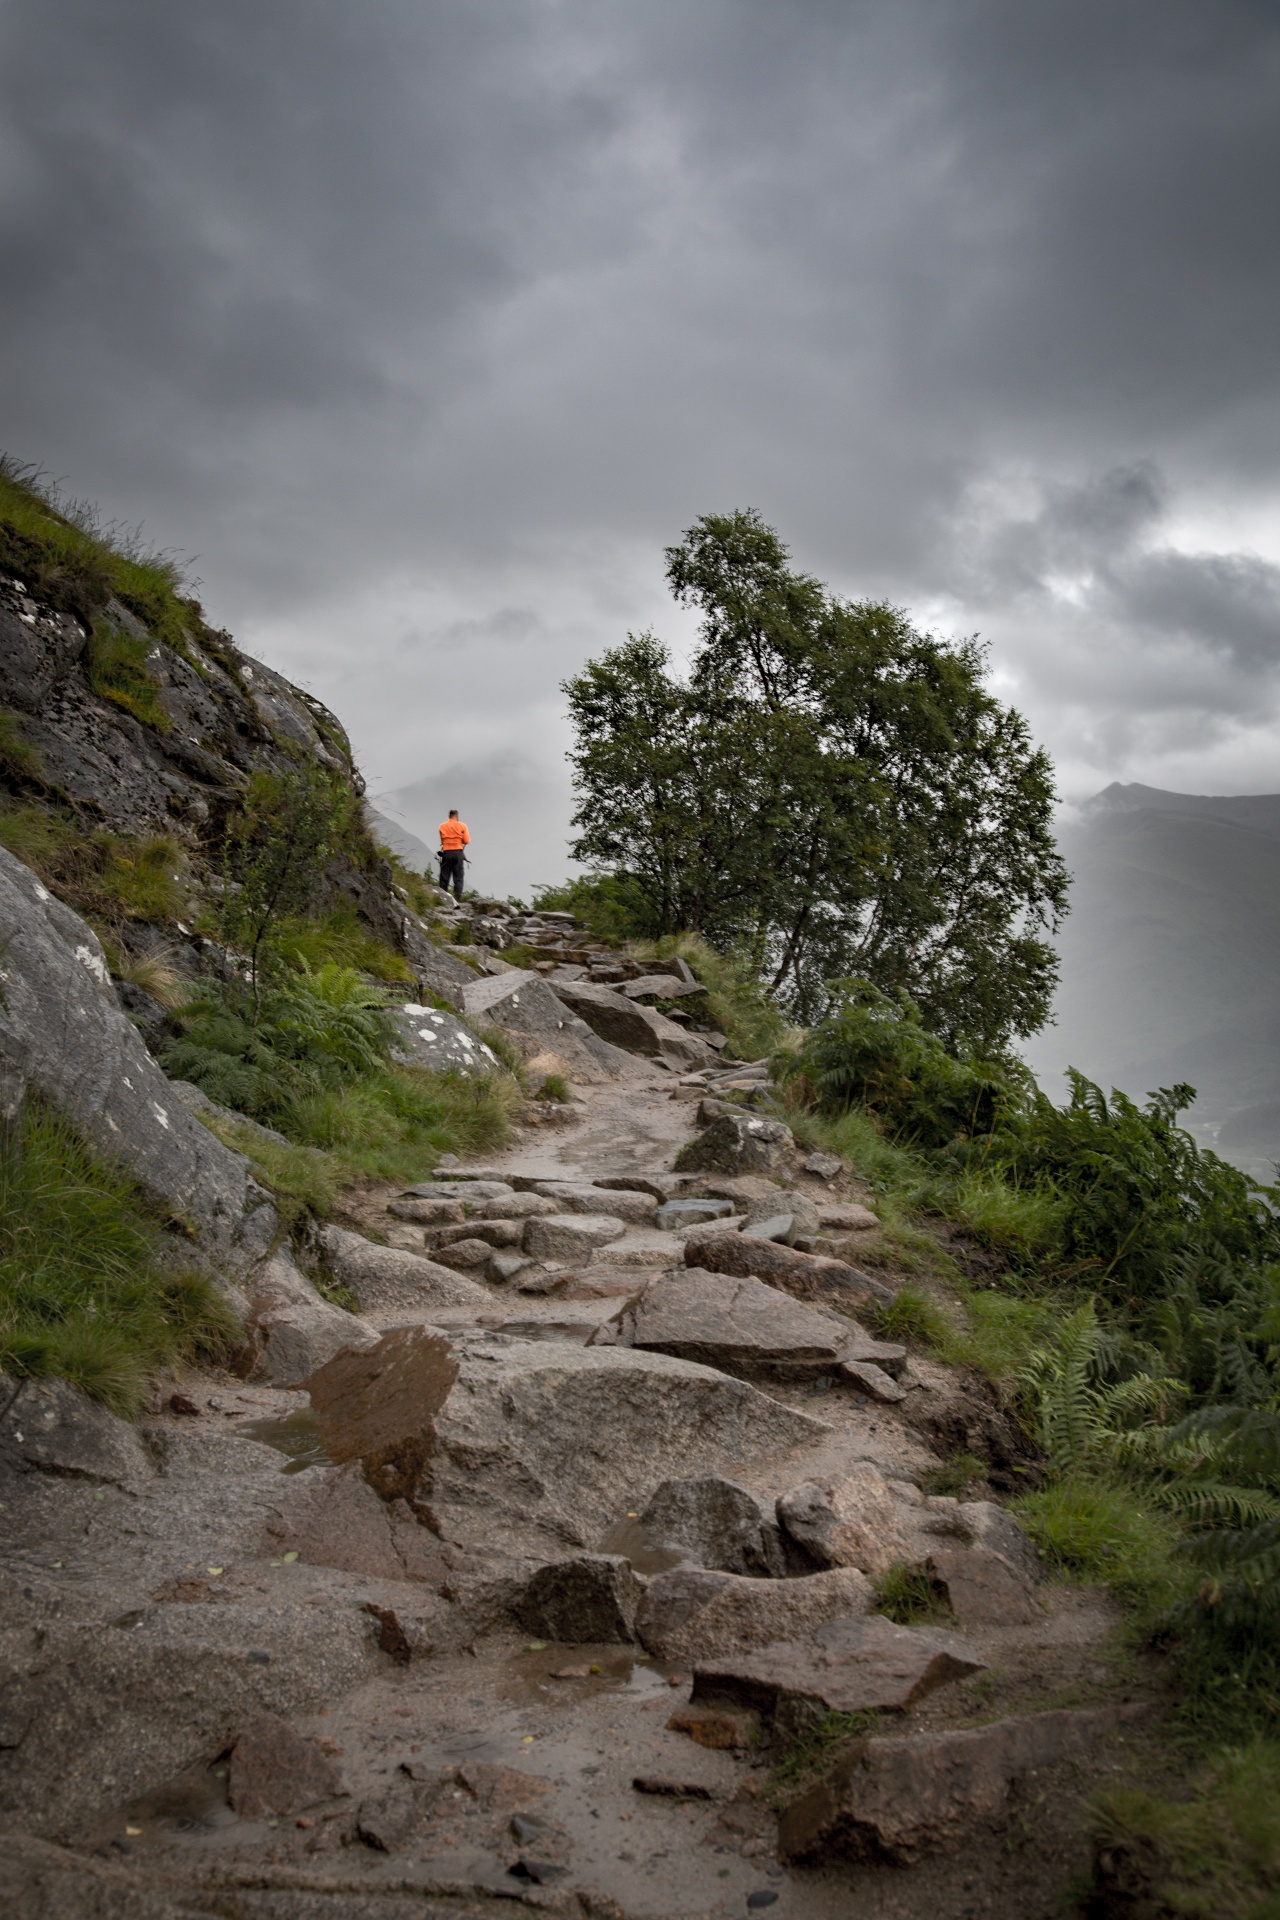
(407, 315)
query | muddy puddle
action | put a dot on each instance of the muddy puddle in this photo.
(646, 1554)
(297, 1436)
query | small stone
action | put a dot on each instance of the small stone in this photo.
(870, 1379)
(674, 1214)
(591, 1598)
(846, 1666)
(805, 1276)
(982, 1588)
(847, 1219)
(465, 1256)
(672, 1787)
(276, 1770)
(504, 1267)
(827, 1166)
(695, 1612)
(778, 1226)
(719, 1728)
(426, 1213)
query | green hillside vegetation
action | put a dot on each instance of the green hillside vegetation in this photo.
(1129, 1305)
(290, 1031)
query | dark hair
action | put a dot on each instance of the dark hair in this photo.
(453, 813)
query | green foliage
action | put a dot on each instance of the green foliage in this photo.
(306, 1183)
(1103, 1530)
(612, 906)
(87, 1292)
(907, 1594)
(873, 1051)
(109, 877)
(899, 813)
(314, 1065)
(957, 1477)
(340, 938)
(278, 845)
(737, 1004)
(1215, 1854)
(312, 1033)
(20, 762)
(914, 1317)
(555, 1087)
(116, 663)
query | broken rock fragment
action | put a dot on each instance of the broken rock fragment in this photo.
(590, 1598)
(849, 1520)
(805, 1276)
(715, 1523)
(276, 1771)
(982, 1588)
(571, 1238)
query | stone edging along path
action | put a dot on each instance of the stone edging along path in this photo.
(531, 1595)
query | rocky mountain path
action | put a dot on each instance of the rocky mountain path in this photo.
(394, 1744)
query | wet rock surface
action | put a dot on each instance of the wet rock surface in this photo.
(466, 1606)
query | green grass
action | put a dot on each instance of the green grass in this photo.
(913, 1317)
(555, 1088)
(1214, 1854)
(64, 552)
(1027, 1222)
(395, 1124)
(87, 1293)
(338, 937)
(908, 1596)
(116, 664)
(108, 877)
(957, 1477)
(305, 1181)
(1105, 1532)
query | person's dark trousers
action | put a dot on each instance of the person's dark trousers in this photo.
(451, 867)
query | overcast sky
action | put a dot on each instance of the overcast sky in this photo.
(423, 325)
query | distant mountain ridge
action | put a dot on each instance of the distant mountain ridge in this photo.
(1170, 957)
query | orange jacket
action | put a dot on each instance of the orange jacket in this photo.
(453, 834)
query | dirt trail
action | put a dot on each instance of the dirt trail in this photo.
(480, 1772)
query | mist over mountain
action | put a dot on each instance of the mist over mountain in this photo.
(1169, 959)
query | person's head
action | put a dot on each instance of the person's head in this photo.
(453, 813)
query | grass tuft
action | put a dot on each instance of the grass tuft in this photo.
(86, 1291)
(908, 1596)
(1091, 1529)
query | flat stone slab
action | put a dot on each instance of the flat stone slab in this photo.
(389, 1277)
(846, 1666)
(697, 1613)
(738, 1325)
(805, 1276)
(638, 1209)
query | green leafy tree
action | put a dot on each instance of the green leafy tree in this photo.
(828, 789)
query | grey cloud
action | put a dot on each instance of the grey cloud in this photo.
(375, 307)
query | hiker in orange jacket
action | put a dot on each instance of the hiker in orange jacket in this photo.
(453, 838)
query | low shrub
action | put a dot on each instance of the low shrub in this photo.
(116, 664)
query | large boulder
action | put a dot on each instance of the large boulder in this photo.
(739, 1143)
(692, 1613)
(64, 1036)
(740, 1326)
(426, 1037)
(550, 1038)
(638, 1029)
(542, 1445)
(895, 1799)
